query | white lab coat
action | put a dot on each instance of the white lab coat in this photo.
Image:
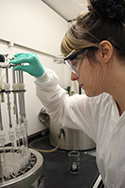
(98, 117)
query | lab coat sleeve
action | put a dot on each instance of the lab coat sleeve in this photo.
(71, 112)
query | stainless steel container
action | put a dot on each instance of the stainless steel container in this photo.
(70, 139)
(32, 178)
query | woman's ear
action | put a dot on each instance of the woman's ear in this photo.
(106, 51)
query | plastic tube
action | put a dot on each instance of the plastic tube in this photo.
(48, 151)
(44, 151)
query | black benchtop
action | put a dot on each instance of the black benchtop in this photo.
(56, 168)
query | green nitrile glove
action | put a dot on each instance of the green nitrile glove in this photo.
(34, 68)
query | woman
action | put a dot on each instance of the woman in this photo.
(94, 49)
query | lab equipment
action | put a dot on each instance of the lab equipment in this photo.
(18, 163)
(74, 162)
(71, 139)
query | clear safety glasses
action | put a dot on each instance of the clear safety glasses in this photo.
(71, 56)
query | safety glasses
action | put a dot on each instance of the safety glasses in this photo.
(71, 56)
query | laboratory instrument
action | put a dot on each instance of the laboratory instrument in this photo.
(74, 162)
(70, 139)
(19, 165)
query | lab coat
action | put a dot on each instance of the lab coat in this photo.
(97, 116)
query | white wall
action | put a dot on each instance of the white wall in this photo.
(33, 105)
(33, 24)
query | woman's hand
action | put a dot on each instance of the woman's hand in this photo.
(28, 62)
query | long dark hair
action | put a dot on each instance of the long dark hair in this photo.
(105, 20)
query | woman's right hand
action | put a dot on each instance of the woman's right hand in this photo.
(34, 66)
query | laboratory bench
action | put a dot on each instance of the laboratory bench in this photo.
(56, 167)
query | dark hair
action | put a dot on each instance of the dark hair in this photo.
(105, 20)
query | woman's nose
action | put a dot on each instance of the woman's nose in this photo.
(73, 76)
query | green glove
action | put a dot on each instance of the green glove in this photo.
(34, 68)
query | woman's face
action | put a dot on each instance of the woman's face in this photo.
(90, 76)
